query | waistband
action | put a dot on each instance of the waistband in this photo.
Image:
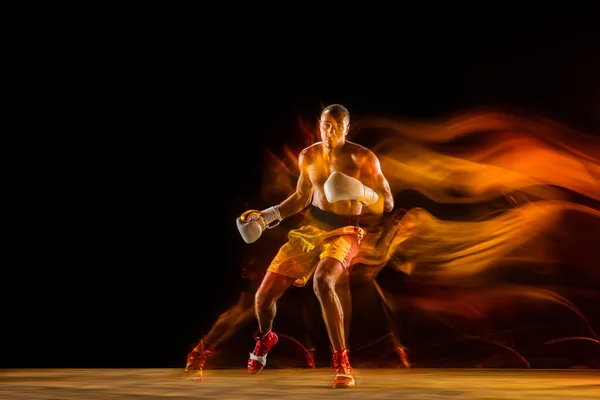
(327, 220)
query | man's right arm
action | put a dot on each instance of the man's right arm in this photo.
(252, 223)
(298, 200)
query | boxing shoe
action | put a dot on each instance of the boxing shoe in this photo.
(196, 360)
(344, 374)
(258, 357)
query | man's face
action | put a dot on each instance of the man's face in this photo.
(333, 132)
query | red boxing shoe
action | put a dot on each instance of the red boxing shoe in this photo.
(258, 358)
(195, 361)
(344, 374)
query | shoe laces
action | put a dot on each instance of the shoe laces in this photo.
(340, 362)
(261, 347)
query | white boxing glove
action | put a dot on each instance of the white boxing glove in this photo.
(340, 186)
(252, 223)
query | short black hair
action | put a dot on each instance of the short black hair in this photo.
(337, 111)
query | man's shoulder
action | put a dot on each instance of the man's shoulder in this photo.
(360, 149)
(311, 148)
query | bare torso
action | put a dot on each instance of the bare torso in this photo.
(351, 159)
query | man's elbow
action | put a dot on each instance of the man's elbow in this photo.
(388, 205)
(302, 200)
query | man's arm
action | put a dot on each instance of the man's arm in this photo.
(252, 223)
(372, 174)
(303, 194)
(375, 193)
(382, 186)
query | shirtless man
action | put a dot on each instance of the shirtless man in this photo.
(337, 179)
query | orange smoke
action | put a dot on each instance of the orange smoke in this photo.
(478, 156)
(460, 252)
(552, 230)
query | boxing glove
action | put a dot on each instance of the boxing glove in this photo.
(340, 186)
(252, 223)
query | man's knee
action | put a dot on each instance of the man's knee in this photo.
(262, 298)
(271, 288)
(327, 274)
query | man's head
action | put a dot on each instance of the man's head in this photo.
(334, 125)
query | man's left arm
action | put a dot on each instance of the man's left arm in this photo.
(381, 186)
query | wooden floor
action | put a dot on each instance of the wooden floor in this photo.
(287, 384)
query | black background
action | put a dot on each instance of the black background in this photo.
(136, 248)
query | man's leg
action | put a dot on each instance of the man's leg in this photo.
(308, 327)
(271, 289)
(399, 349)
(326, 277)
(226, 326)
(231, 321)
(364, 279)
(342, 289)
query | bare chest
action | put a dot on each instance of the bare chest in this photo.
(319, 171)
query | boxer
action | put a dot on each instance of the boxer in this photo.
(338, 180)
